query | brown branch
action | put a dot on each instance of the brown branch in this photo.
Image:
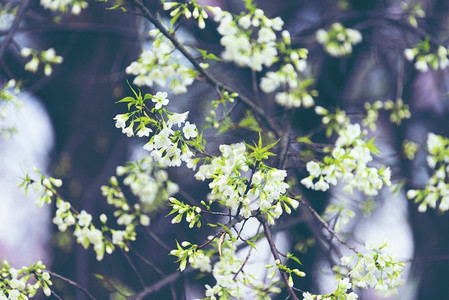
(158, 285)
(73, 283)
(243, 264)
(147, 262)
(255, 87)
(275, 253)
(285, 144)
(56, 295)
(156, 239)
(133, 266)
(231, 224)
(325, 225)
(14, 26)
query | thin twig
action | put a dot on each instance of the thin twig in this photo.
(255, 87)
(275, 253)
(231, 223)
(285, 144)
(14, 26)
(173, 291)
(56, 295)
(325, 225)
(133, 266)
(158, 285)
(147, 262)
(243, 264)
(157, 239)
(399, 87)
(73, 283)
(228, 112)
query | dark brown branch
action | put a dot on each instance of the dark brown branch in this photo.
(325, 225)
(14, 26)
(275, 253)
(56, 295)
(158, 285)
(243, 264)
(133, 266)
(148, 263)
(156, 239)
(73, 283)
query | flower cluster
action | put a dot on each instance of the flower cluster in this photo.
(188, 10)
(409, 149)
(125, 214)
(413, 10)
(224, 272)
(47, 58)
(295, 91)
(373, 270)
(149, 183)
(348, 161)
(339, 213)
(75, 6)
(264, 190)
(197, 258)
(9, 95)
(249, 39)
(338, 40)
(168, 146)
(7, 14)
(332, 121)
(86, 233)
(225, 98)
(193, 213)
(341, 292)
(227, 174)
(231, 281)
(24, 283)
(399, 111)
(163, 146)
(424, 58)
(159, 65)
(65, 217)
(437, 187)
(278, 266)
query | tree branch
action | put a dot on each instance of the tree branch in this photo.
(173, 277)
(275, 253)
(14, 26)
(73, 283)
(325, 225)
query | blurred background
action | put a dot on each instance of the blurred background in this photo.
(66, 128)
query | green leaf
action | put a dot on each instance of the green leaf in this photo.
(226, 229)
(132, 89)
(252, 244)
(304, 140)
(370, 145)
(260, 152)
(126, 99)
(175, 18)
(294, 258)
(249, 122)
(206, 55)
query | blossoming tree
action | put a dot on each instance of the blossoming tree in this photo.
(259, 170)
